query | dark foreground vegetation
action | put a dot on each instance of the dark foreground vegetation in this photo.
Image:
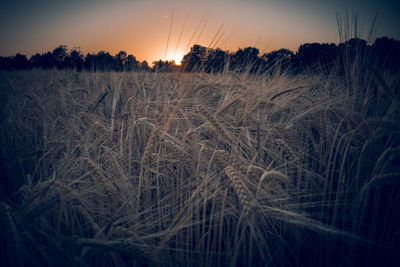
(384, 52)
(244, 168)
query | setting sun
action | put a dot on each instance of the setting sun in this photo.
(175, 56)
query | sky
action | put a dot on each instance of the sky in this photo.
(166, 29)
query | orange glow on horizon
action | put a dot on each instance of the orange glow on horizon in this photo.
(161, 30)
(176, 56)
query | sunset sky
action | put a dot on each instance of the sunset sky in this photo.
(165, 29)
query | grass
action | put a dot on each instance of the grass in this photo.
(136, 169)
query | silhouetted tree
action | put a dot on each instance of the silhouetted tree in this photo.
(101, 61)
(48, 61)
(215, 61)
(387, 54)
(144, 66)
(120, 60)
(316, 54)
(17, 62)
(105, 62)
(20, 62)
(5, 63)
(131, 63)
(89, 63)
(193, 61)
(61, 56)
(384, 53)
(277, 60)
(35, 61)
(164, 66)
(352, 50)
(245, 60)
(279, 56)
(76, 59)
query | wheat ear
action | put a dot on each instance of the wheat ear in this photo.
(227, 159)
(214, 122)
(230, 160)
(149, 146)
(244, 195)
(286, 148)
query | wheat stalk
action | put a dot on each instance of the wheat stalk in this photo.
(146, 155)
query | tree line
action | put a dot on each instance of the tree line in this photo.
(384, 53)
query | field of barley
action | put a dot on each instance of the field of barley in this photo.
(194, 169)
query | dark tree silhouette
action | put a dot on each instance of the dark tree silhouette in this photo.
(21, 62)
(61, 56)
(144, 66)
(35, 61)
(387, 54)
(48, 61)
(121, 60)
(18, 62)
(245, 60)
(276, 60)
(193, 61)
(5, 63)
(215, 61)
(131, 63)
(89, 63)
(101, 61)
(353, 50)
(383, 54)
(76, 59)
(165, 66)
(315, 54)
(105, 62)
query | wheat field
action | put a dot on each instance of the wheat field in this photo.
(195, 169)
